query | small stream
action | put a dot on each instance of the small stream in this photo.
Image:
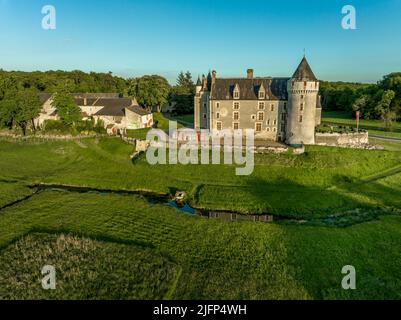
(161, 198)
(348, 218)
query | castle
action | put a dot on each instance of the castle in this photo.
(278, 109)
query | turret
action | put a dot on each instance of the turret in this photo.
(198, 86)
(303, 90)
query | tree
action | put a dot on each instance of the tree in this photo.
(360, 104)
(7, 113)
(67, 109)
(383, 108)
(185, 84)
(20, 108)
(28, 108)
(150, 91)
(183, 94)
(393, 82)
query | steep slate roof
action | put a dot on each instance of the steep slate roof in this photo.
(97, 95)
(112, 106)
(276, 88)
(139, 110)
(304, 72)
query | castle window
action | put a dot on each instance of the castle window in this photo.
(301, 107)
(275, 129)
(268, 122)
(285, 105)
(236, 126)
(236, 105)
(301, 119)
(272, 107)
(305, 83)
(217, 105)
(219, 126)
(204, 116)
(268, 129)
(283, 116)
(261, 106)
(236, 94)
(236, 115)
(275, 122)
(262, 95)
(253, 117)
(258, 127)
(218, 115)
(261, 116)
(302, 96)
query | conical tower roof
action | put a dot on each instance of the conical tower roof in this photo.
(198, 83)
(304, 72)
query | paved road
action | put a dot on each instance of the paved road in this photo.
(389, 139)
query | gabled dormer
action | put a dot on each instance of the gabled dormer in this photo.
(236, 92)
(262, 92)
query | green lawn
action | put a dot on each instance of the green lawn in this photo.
(375, 127)
(193, 257)
(322, 181)
(138, 133)
(189, 118)
(162, 124)
(215, 259)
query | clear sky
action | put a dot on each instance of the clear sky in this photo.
(136, 37)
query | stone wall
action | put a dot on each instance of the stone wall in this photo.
(345, 139)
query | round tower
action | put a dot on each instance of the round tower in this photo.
(303, 91)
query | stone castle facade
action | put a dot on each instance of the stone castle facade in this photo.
(278, 109)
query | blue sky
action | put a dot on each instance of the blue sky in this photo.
(136, 37)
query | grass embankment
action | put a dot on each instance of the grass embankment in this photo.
(375, 127)
(323, 181)
(218, 260)
(188, 118)
(161, 122)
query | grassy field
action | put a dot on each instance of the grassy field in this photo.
(161, 123)
(345, 202)
(189, 118)
(375, 127)
(101, 270)
(322, 181)
(216, 259)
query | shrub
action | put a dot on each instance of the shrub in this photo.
(56, 126)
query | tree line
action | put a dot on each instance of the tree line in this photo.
(373, 101)
(20, 103)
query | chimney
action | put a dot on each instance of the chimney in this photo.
(249, 73)
(214, 76)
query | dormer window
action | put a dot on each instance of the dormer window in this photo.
(262, 92)
(236, 93)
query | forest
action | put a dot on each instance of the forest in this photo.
(381, 101)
